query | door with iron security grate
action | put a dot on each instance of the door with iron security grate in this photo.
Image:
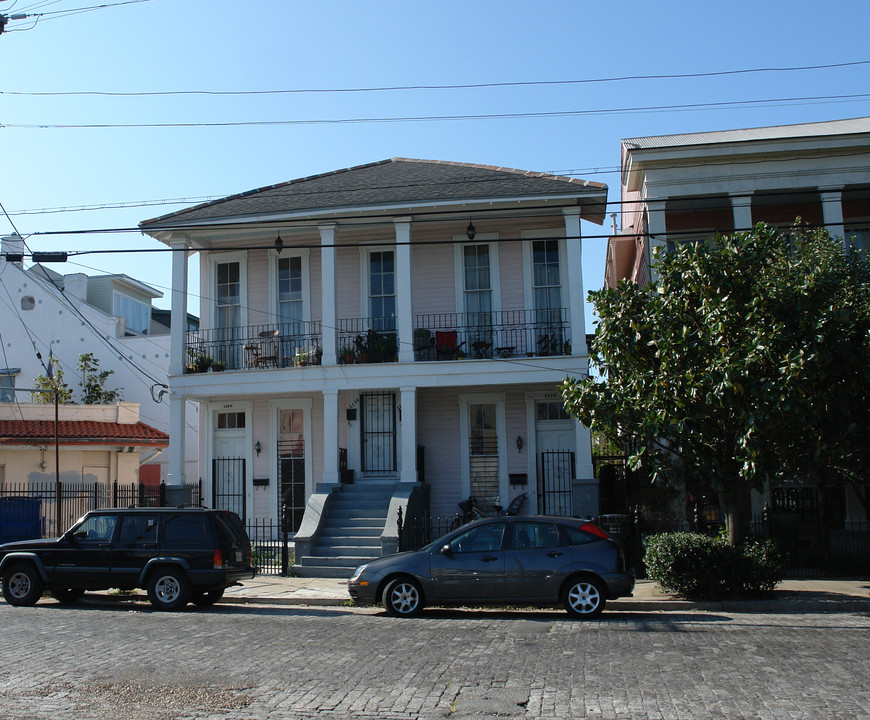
(378, 429)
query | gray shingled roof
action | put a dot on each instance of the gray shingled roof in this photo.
(398, 181)
(777, 132)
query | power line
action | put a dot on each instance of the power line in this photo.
(724, 105)
(462, 86)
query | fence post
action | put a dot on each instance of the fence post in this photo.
(637, 543)
(399, 528)
(766, 521)
(162, 497)
(285, 550)
(696, 518)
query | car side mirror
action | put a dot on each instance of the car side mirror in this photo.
(446, 550)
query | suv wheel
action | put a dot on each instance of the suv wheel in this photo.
(22, 585)
(204, 599)
(169, 589)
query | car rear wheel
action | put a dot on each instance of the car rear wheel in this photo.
(204, 599)
(403, 598)
(67, 595)
(584, 598)
(22, 585)
(169, 589)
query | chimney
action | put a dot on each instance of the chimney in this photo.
(12, 245)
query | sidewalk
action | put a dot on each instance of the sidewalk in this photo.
(802, 596)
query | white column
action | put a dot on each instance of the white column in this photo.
(404, 309)
(328, 296)
(330, 436)
(741, 210)
(177, 350)
(583, 438)
(655, 212)
(574, 277)
(832, 212)
(408, 471)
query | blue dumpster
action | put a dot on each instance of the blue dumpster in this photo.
(20, 518)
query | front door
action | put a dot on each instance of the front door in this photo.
(228, 471)
(378, 430)
(555, 440)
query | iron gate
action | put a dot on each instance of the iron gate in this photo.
(556, 471)
(378, 430)
(228, 485)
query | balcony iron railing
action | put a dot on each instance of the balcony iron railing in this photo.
(288, 344)
(367, 340)
(488, 335)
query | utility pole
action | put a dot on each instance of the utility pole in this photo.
(6, 18)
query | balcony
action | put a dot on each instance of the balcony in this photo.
(491, 335)
(292, 344)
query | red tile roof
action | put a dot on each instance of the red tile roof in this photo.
(80, 432)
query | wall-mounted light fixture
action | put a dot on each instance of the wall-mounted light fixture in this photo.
(519, 443)
(470, 231)
(258, 447)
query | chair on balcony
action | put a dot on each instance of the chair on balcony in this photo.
(424, 344)
(266, 351)
(446, 344)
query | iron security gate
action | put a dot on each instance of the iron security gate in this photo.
(556, 471)
(228, 485)
(291, 484)
(378, 430)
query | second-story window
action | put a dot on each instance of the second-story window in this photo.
(7, 384)
(290, 292)
(382, 290)
(227, 297)
(136, 314)
(546, 278)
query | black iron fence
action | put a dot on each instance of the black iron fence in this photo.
(30, 510)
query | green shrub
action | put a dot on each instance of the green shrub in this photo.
(693, 565)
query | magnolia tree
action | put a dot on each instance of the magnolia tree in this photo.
(748, 359)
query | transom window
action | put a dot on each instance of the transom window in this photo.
(551, 411)
(230, 420)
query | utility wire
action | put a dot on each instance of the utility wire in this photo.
(724, 105)
(463, 86)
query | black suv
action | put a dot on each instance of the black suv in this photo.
(177, 554)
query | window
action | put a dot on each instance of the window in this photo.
(858, 238)
(228, 295)
(526, 535)
(230, 420)
(136, 314)
(97, 528)
(484, 538)
(138, 528)
(546, 277)
(7, 384)
(382, 290)
(184, 529)
(290, 308)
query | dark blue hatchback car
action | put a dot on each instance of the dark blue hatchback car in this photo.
(521, 560)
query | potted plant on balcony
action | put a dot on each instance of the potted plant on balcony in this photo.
(362, 351)
(347, 355)
(198, 362)
(218, 366)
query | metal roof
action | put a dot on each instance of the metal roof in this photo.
(401, 182)
(777, 132)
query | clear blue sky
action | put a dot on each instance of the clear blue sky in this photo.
(212, 45)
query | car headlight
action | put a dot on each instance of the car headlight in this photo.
(358, 572)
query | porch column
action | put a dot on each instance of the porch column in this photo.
(329, 323)
(832, 211)
(408, 471)
(404, 310)
(741, 210)
(574, 277)
(177, 338)
(330, 435)
(657, 229)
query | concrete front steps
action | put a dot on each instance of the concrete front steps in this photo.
(350, 529)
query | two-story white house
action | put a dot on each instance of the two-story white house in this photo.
(403, 325)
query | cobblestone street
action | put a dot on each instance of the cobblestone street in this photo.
(123, 660)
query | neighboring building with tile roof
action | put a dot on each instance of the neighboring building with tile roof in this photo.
(405, 324)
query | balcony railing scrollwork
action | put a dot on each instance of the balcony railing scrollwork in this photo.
(287, 344)
(491, 335)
